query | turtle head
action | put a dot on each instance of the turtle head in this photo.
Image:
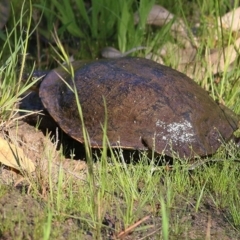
(36, 76)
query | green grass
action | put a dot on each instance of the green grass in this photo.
(14, 52)
(73, 205)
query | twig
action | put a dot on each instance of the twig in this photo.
(122, 234)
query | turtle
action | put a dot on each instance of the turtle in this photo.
(146, 105)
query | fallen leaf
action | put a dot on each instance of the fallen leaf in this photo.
(110, 52)
(13, 156)
(218, 61)
(159, 16)
(181, 55)
(230, 20)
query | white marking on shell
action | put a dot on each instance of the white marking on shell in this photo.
(176, 131)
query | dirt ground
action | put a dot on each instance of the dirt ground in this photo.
(207, 221)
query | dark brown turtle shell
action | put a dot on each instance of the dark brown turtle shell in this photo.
(149, 106)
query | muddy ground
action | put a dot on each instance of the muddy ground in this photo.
(208, 222)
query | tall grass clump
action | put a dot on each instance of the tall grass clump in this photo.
(13, 58)
(104, 23)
